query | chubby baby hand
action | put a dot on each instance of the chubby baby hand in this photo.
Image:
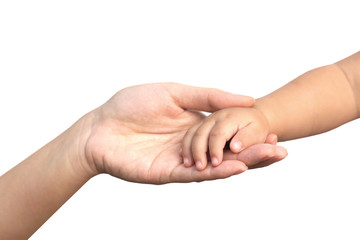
(243, 127)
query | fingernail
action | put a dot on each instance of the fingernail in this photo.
(237, 145)
(214, 161)
(199, 165)
(186, 161)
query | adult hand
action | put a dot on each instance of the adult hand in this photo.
(137, 134)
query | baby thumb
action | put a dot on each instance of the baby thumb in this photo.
(247, 136)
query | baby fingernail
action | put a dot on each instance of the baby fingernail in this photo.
(237, 145)
(199, 165)
(214, 161)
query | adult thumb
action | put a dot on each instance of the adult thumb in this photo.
(206, 99)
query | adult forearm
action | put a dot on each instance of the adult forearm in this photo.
(315, 102)
(33, 190)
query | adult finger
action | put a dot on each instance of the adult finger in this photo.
(206, 99)
(225, 170)
(265, 163)
(258, 153)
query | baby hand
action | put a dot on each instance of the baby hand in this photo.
(243, 126)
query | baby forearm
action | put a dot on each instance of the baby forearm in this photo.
(315, 102)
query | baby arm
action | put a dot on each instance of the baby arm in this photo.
(243, 126)
(315, 102)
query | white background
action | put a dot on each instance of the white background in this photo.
(60, 59)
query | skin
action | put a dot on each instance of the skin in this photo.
(135, 136)
(212, 134)
(315, 102)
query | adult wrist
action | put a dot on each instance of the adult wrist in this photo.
(75, 139)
